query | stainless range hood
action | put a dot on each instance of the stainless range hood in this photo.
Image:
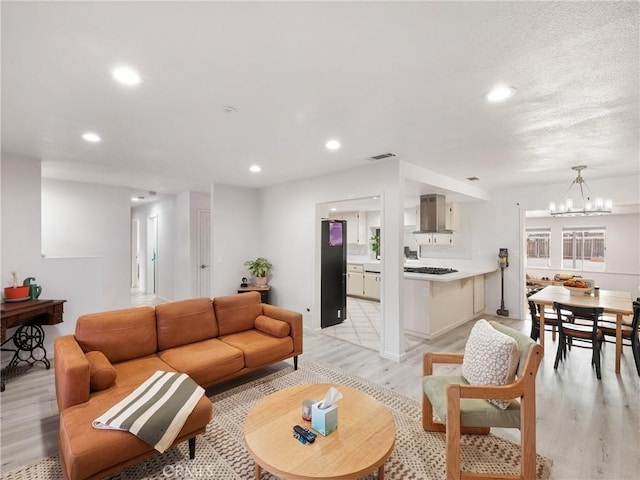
(433, 210)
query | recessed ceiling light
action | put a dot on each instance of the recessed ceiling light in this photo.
(255, 168)
(332, 144)
(499, 93)
(91, 137)
(334, 209)
(126, 76)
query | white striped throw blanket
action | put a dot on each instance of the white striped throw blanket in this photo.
(155, 411)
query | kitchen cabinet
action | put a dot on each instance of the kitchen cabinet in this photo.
(361, 283)
(372, 285)
(355, 280)
(432, 308)
(412, 217)
(356, 226)
(452, 222)
(478, 294)
(434, 239)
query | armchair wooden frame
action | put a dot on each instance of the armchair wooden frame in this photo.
(524, 388)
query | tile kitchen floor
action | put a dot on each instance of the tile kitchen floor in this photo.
(363, 324)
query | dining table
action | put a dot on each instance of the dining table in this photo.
(612, 302)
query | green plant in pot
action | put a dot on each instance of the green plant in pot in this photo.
(259, 268)
(375, 245)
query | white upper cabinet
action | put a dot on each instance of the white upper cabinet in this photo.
(452, 219)
(356, 225)
(412, 217)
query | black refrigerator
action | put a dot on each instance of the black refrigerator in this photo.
(333, 273)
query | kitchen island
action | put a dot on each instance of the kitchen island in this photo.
(435, 304)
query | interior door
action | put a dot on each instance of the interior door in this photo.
(152, 255)
(135, 253)
(204, 253)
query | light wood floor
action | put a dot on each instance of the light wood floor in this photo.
(589, 428)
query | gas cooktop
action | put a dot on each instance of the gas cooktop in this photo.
(430, 270)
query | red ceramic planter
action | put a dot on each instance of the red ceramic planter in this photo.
(16, 293)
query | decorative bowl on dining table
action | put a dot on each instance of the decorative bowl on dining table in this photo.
(579, 286)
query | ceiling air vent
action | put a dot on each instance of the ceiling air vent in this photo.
(382, 156)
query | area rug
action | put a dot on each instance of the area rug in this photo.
(221, 454)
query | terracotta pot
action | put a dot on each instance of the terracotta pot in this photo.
(261, 281)
(11, 293)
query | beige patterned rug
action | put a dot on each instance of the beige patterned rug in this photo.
(220, 452)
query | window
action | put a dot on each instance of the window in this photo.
(538, 247)
(583, 249)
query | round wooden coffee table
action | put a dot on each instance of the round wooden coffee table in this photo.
(362, 442)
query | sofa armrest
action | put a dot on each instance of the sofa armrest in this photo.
(294, 319)
(71, 372)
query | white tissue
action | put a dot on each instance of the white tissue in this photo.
(330, 398)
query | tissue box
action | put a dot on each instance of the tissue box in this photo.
(324, 421)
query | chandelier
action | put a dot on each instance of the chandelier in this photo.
(588, 205)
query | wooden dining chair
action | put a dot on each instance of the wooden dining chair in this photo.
(465, 408)
(550, 320)
(583, 334)
(629, 333)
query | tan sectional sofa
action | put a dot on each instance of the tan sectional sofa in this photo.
(211, 340)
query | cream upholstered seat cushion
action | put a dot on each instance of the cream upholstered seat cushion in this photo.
(490, 358)
(474, 412)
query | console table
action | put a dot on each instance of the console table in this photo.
(263, 291)
(28, 338)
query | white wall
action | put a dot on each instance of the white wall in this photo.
(89, 220)
(238, 235)
(21, 238)
(79, 281)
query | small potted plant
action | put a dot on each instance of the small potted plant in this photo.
(16, 292)
(259, 268)
(375, 245)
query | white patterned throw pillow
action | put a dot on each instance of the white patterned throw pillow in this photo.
(490, 358)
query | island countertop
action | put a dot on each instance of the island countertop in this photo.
(462, 273)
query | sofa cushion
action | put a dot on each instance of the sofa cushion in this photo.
(86, 452)
(259, 348)
(490, 358)
(119, 334)
(132, 373)
(237, 313)
(206, 362)
(274, 327)
(101, 373)
(185, 321)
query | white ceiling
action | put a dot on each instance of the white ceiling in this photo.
(401, 77)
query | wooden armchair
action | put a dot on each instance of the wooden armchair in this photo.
(463, 408)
